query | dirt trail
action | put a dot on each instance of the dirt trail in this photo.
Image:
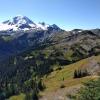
(61, 94)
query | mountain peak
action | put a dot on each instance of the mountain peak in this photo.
(18, 20)
(23, 23)
(17, 23)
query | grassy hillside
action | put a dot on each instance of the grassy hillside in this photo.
(64, 77)
(19, 97)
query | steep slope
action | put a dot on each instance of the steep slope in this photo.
(29, 35)
(64, 76)
(26, 56)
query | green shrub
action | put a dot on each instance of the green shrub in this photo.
(91, 91)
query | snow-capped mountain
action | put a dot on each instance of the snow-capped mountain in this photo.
(17, 23)
(23, 23)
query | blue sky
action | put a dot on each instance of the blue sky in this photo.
(68, 14)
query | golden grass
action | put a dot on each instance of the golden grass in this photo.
(65, 76)
(18, 97)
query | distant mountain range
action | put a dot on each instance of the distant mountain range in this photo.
(20, 34)
(23, 23)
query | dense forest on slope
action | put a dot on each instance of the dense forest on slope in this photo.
(35, 55)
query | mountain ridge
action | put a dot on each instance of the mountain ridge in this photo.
(23, 23)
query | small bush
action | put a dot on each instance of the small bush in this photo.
(62, 86)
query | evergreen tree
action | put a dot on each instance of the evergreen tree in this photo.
(80, 73)
(75, 74)
(34, 95)
(40, 85)
(2, 94)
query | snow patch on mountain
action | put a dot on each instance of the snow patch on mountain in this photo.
(20, 23)
(23, 23)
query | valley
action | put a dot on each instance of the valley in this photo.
(44, 61)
